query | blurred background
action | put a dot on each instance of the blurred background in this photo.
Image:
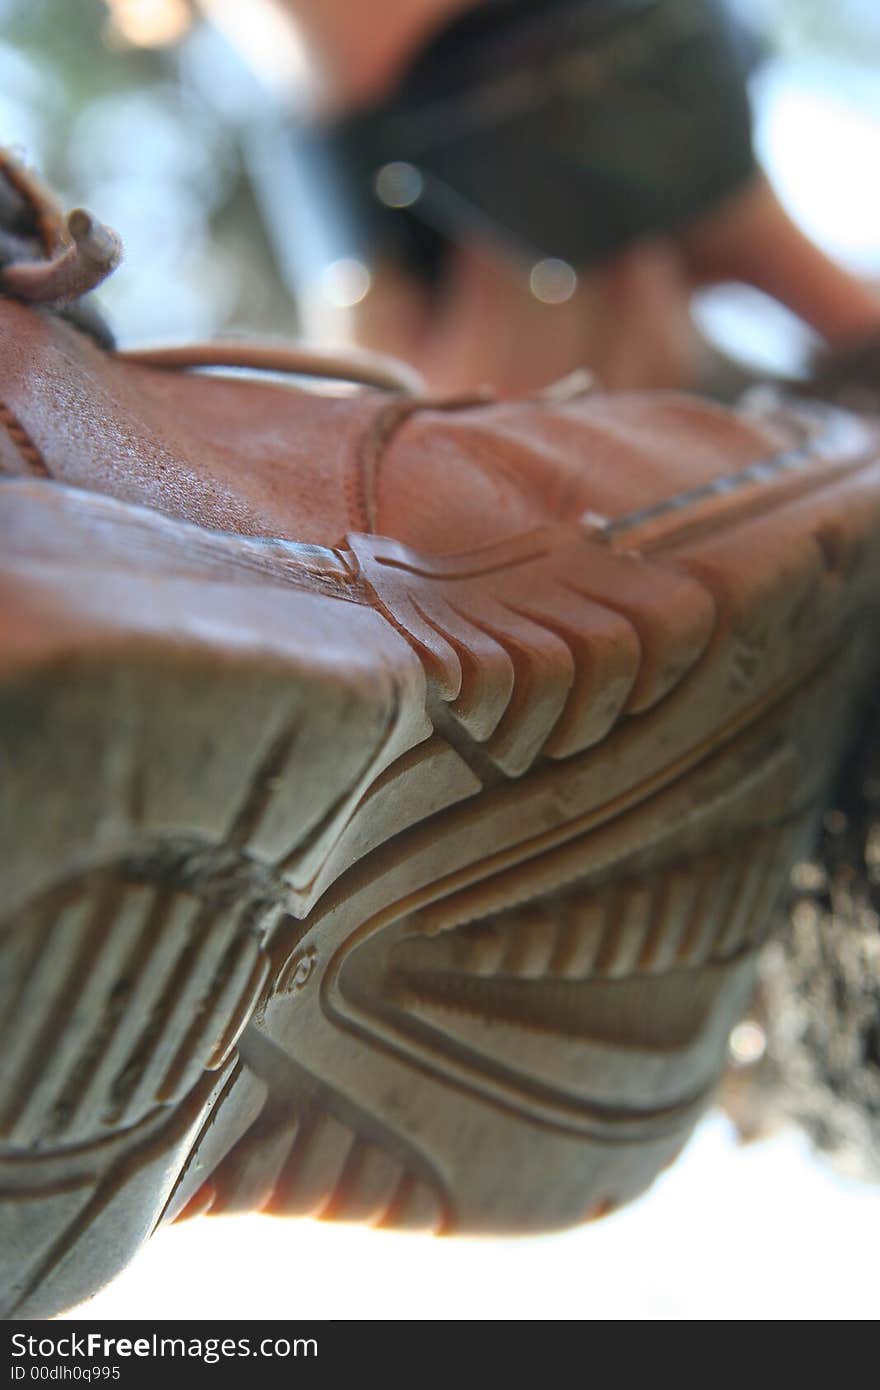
(145, 112)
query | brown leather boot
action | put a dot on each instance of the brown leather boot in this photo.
(394, 792)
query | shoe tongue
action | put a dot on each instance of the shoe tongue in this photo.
(30, 220)
(19, 240)
(32, 229)
(16, 214)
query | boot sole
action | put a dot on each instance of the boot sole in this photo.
(415, 890)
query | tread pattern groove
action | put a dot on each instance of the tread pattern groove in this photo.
(126, 992)
(679, 917)
(314, 1165)
(530, 660)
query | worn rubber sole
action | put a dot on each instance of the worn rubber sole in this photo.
(421, 891)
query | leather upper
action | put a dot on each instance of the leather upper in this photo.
(266, 458)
